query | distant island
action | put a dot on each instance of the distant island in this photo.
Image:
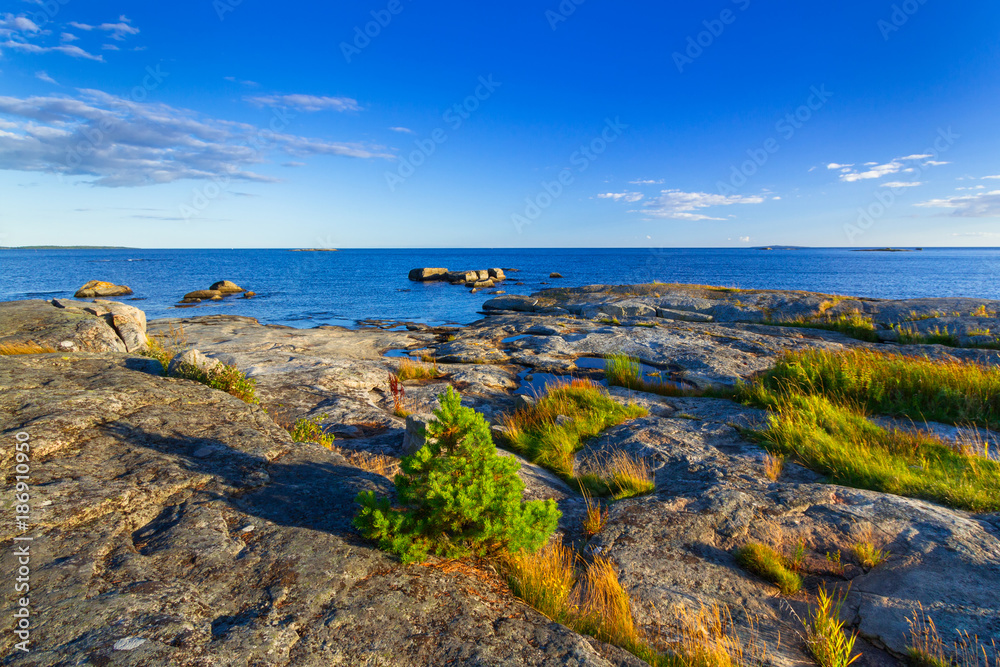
(313, 249)
(68, 247)
(884, 249)
(781, 247)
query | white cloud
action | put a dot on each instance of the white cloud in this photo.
(68, 37)
(630, 197)
(979, 205)
(130, 144)
(249, 84)
(997, 177)
(901, 184)
(745, 239)
(43, 76)
(647, 182)
(306, 102)
(405, 130)
(978, 234)
(875, 170)
(110, 47)
(678, 205)
(69, 50)
(973, 187)
(118, 30)
(834, 165)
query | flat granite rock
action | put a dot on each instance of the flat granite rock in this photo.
(175, 525)
(66, 325)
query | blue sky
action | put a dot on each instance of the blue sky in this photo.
(248, 123)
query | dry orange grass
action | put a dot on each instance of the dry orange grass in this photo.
(773, 466)
(411, 370)
(12, 349)
(595, 517)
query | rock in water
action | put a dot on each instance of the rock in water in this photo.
(227, 287)
(192, 358)
(100, 288)
(555, 275)
(497, 274)
(202, 294)
(425, 275)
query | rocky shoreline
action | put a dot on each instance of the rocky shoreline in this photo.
(176, 525)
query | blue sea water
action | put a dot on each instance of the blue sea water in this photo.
(306, 289)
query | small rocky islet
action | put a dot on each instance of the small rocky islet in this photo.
(177, 525)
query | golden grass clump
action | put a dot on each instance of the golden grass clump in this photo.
(30, 347)
(620, 475)
(544, 579)
(825, 635)
(596, 515)
(411, 370)
(773, 466)
(866, 549)
(928, 649)
(708, 638)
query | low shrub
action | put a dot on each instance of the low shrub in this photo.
(310, 430)
(456, 496)
(223, 377)
(411, 370)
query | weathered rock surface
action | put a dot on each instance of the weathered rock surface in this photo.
(477, 279)
(184, 518)
(96, 288)
(175, 525)
(67, 326)
(972, 321)
(202, 294)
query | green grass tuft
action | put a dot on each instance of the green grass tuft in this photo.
(768, 564)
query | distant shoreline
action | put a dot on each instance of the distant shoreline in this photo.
(69, 247)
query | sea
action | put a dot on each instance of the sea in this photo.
(353, 287)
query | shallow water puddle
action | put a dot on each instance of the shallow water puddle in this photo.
(650, 374)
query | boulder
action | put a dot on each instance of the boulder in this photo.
(226, 287)
(192, 358)
(73, 326)
(480, 284)
(555, 275)
(497, 274)
(463, 276)
(512, 302)
(414, 437)
(426, 275)
(97, 288)
(249, 295)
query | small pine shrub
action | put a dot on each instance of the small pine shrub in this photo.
(456, 496)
